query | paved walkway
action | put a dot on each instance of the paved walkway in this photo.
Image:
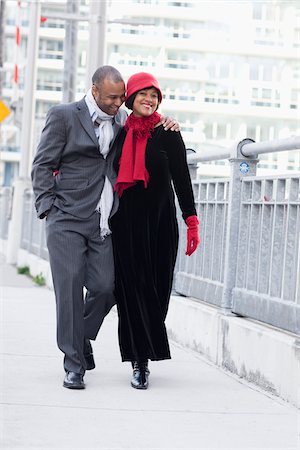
(190, 405)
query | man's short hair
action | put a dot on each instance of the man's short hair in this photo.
(107, 72)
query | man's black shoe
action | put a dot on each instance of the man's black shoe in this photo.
(74, 380)
(88, 355)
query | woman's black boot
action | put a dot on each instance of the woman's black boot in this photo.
(140, 375)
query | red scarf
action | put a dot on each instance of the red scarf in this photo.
(132, 163)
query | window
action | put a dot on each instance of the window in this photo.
(42, 108)
(296, 40)
(221, 131)
(267, 93)
(254, 70)
(265, 133)
(49, 80)
(295, 98)
(224, 70)
(50, 49)
(265, 97)
(180, 4)
(208, 130)
(296, 71)
(257, 11)
(267, 71)
(251, 132)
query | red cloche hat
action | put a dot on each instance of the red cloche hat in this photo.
(139, 81)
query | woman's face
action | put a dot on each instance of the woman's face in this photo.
(146, 102)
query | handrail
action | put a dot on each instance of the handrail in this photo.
(215, 153)
(246, 149)
(278, 145)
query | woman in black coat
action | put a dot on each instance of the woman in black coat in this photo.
(149, 162)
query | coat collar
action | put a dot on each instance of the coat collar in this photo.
(87, 124)
(85, 120)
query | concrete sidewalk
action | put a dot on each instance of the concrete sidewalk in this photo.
(190, 404)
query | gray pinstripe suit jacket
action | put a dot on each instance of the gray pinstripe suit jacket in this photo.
(69, 144)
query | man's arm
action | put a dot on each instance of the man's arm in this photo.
(167, 122)
(46, 161)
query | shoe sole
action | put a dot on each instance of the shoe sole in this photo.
(139, 387)
(72, 386)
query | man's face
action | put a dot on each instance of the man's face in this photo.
(109, 96)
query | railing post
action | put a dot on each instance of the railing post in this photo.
(5, 203)
(193, 165)
(193, 170)
(241, 166)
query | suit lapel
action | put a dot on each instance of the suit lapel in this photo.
(86, 121)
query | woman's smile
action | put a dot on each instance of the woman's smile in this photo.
(146, 102)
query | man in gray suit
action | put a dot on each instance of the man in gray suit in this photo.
(72, 179)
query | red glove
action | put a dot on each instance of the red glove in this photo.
(193, 239)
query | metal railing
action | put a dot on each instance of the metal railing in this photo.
(248, 262)
(33, 238)
(268, 257)
(249, 259)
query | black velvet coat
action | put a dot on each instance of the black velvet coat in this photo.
(145, 238)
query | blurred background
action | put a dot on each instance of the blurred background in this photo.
(228, 69)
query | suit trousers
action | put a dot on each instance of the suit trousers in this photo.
(79, 258)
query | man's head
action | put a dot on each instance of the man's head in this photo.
(108, 89)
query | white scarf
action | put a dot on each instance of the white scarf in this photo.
(106, 134)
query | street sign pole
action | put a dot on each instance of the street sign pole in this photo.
(23, 181)
(70, 54)
(96, 46)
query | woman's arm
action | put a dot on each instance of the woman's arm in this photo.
(183, 187)
(176, 152)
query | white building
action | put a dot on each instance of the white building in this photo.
(228, 69)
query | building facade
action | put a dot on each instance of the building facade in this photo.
(228, 69)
